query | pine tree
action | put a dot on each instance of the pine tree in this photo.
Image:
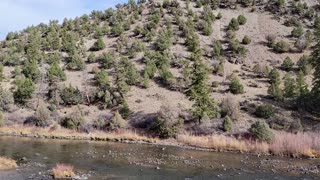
(289, 86)
(274, 89)
(199, 90)
(55, 72)
(30, 70)
(24, 91)
(302, 87)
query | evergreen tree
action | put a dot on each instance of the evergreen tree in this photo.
(289, 86)
(1, 72)
(302, 87)
(24, 91)
(30, 70)
(199, 90)
(98, 45)
(55, 72)
(76, 63)
(274, 89)
(102, 79)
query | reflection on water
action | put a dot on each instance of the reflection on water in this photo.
(107, 160)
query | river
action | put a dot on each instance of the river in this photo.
(110, 160)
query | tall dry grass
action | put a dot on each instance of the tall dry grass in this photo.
(63, 171)
(301, 144)
(7, 163)
(62, 133)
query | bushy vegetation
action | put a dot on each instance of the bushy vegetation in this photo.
(265, 111)
(236, 87)
(227, 124)
(261, 131)
(98, 45)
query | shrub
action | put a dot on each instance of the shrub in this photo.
(287, 64)
(124, 110)
(42, 115)
(265, 111)
(230, 107)
(1, 72)
(71, 96)
(237, 48)
(297, 31)
(217, 49)
(233, 25)
(168, 123)
(98, 45)
(230, 34)
(74, 120)
(2, 120)
(76, 63)
(271, 39)
(55, 72)
(261, 131)
(92, 58)
(242, 19)
(117, 122)
(102, 79)
(246, 40)
(227, 124)
(30, 70)
(6, 99)
(117, 29)
(280, 3)
(281, 47)
(236, 87)
(304, 64)
(219, 16)
(24, 91)
(107, 60)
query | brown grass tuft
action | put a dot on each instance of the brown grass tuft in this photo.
(62, 171)
(6, 163)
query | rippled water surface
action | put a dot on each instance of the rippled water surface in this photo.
(107, 160)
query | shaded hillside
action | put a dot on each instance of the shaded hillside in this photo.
(167, 67)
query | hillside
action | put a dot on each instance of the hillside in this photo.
(164, 68)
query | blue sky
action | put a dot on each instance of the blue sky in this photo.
(16, 15)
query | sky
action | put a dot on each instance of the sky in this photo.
(15, 15)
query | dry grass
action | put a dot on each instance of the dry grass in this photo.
(297, 145)
(62, 133)
(6, 163)
(305, 144)
(63, 171)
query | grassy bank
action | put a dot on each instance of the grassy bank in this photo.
(6, 163)
(287, 144)
(61, 133)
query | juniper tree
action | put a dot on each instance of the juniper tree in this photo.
(199, 90)
(1, 72)
(274, 89)
(98, 45)
(24, 91)
(289, 87)
(302, 87)
(55, 72)
(30, 70)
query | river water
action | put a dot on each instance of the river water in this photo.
(108, 160)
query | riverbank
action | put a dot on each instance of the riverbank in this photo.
(6, 163)
(285, 144)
